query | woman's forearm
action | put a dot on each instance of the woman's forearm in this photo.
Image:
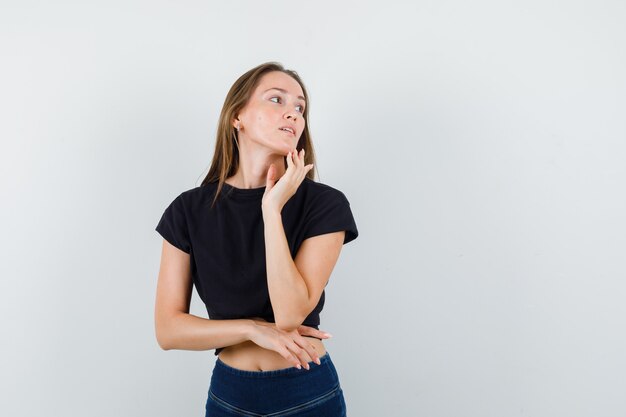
(287, 290)
(188, 332)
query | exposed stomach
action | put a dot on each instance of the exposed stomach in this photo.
(251, 357)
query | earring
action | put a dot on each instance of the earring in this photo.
(237, 127)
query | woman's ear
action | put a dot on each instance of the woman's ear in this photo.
(236, 122)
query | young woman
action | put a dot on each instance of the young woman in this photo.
(259, 239)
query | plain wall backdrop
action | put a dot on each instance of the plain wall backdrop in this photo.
(482, 146)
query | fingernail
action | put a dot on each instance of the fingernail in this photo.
(298, 366)
(317, 361)
(328, 334)
(308, 367)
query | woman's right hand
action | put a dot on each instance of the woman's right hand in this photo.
(290, 345)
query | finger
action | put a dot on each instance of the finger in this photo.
(324, 335)
(300, 353)
(302, 160)
(286, 353)
(305, 330)
(310, 349)
(312, 331)
(290, 351)
(300, 165)
(306, 170)
(291, 168)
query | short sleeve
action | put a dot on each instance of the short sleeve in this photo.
(330, 212)
(173, 225)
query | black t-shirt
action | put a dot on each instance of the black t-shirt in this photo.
(227, 246)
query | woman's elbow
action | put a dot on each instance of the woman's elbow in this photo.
(162, 335)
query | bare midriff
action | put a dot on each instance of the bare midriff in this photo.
(251, 357)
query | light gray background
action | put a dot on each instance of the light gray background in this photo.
(481, 145)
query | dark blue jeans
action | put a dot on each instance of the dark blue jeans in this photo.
(278, 393)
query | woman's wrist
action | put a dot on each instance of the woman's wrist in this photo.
(251, 328)
(270, 212)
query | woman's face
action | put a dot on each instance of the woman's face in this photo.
(269, 109)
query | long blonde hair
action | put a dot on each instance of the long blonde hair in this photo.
(226, 155)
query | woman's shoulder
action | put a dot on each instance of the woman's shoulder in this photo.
(196, 197)
(193, 193)
(316, 189)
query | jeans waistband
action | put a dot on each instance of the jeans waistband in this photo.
(222, 367)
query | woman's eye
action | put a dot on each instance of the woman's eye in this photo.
(301, 107)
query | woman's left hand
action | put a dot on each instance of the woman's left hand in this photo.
(277, 193)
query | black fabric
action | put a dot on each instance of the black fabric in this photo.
(227, 246)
